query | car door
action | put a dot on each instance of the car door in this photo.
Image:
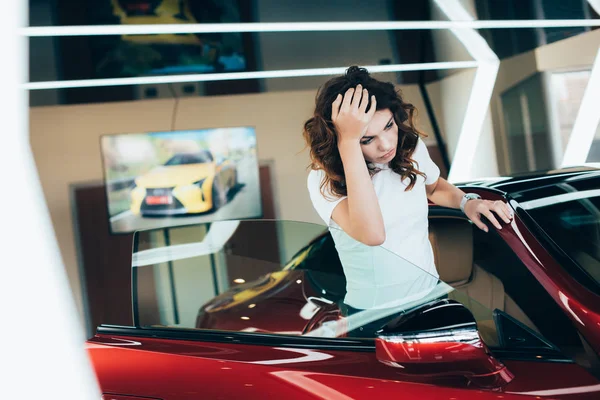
(534, 333)
(337, 357)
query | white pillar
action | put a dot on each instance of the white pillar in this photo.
(43, 354)
(595, 5)
(462, 168)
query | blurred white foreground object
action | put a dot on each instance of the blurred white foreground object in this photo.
(43, 354)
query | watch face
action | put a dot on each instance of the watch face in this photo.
(472, 196)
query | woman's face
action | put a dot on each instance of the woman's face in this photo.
(381, 139)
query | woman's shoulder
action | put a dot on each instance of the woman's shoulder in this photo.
(421, 145)
(315, 178)
(421, 150)
(314, 182)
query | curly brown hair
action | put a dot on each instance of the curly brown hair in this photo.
(321, 137)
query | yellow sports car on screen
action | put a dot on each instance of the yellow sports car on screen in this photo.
(188, 183)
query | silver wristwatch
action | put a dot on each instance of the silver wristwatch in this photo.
(467, 197)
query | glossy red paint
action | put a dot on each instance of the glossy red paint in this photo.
(581, 305)
(471, 360)
(290, 295)
(568, 381)
(182, 370)
(186, 369)
(422, 344)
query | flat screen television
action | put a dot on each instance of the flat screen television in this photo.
(165, 179)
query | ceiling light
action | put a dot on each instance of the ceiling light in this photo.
(155, 29)
(289, 73)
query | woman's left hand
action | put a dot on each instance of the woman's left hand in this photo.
(474, 209)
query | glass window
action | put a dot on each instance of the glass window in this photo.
(571, 218)
(559, 9)
(566, 91)
(594, 153)
(142, 55)
(210, 278)
(509, 42)
(523, 297)
(525, 120)
(124, 56)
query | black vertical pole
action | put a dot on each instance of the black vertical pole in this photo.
(134, 277)
(434, 125)
(172, 279)
(213, 266)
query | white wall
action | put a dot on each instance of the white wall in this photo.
(452, 94)
(450, 97)
(576, 51)
(412, 94)
(292, 50)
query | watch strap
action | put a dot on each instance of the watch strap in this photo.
(467, 197)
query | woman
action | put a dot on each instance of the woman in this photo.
(370, 180)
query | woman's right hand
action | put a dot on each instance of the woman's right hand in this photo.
(349, 113)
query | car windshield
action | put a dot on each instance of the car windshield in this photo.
(195, 158)
(569, 212)
(278, 277)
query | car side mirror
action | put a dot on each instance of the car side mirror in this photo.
(440, 339)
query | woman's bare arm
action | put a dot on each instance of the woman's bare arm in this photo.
(359, 215)
(445, 194)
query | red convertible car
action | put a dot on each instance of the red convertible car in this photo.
(515, 313)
